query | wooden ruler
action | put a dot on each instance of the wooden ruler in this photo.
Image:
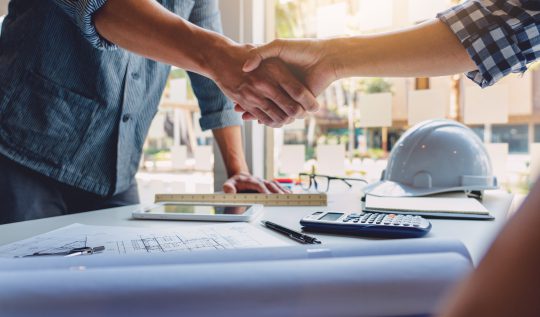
(263, 199)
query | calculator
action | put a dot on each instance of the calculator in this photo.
(371, 224)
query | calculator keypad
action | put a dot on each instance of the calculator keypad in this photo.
(373, 224)
(384, 219)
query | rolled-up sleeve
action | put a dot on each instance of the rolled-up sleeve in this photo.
(81, 13)
(501, 37)
(217, 111)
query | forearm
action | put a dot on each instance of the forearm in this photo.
(507, 282)
(429, 49)
(148, 29)
(230, 144)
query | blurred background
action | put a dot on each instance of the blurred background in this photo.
(361, 118)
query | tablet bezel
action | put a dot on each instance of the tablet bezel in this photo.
(252, 211)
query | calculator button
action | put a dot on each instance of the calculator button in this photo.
(356, 220)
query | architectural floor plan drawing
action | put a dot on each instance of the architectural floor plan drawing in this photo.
(126, 240)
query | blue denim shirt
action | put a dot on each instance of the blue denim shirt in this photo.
(76, 108)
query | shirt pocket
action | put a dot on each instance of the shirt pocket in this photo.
(46, 120)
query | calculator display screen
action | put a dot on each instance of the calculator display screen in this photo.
(331, 216)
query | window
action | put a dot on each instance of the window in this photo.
(362, 118)
(177, 155)
(517, 137)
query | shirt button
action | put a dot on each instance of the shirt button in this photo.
(126, 117)
(135, 76)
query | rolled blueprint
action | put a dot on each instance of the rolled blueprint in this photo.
(377, 285)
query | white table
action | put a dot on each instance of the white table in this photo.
(477, 235)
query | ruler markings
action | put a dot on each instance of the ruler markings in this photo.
(268, 200)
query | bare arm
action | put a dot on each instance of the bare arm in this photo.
(426, 50)
(429, 49)
(148, 29)
(507, 282)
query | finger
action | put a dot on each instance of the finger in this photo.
(248, 116)
(289, 105)
(229, 187)
(256, 185)
(284, 189)
(245, 115)
(263, 109)
(262, 117)
(239, 108)
(261, 53)
(277, 116)
(275, 92)
(271, 91)
(274, 188)
(300, 98)
(300, 94)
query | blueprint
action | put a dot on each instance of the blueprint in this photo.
(128, 240)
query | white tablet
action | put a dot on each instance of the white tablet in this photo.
(199, 212)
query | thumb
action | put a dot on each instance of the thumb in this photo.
(229, 187)
(259, 54)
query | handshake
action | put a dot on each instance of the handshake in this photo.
(275, 83)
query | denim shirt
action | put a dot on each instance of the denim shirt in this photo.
(76, 108)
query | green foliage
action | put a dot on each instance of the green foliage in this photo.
(286, 23)
(375, 85)
(178, 73)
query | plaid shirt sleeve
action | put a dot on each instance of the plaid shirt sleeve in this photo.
(501, 36)
(81, 12)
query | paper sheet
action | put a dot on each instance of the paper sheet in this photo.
(331, 159)
(127, 241)
(484, 106)
(292, 158)
(352, 248)
(427, 104)
(426, 204)
(375, 110)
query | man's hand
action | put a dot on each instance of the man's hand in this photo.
(309, 59)
(229, 140)
(271, 93)
(245, 182)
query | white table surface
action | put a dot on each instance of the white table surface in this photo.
(477, 235)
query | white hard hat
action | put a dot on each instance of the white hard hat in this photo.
(436, 156)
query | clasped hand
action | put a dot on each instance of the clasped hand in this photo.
(271, 94)
(282, 80)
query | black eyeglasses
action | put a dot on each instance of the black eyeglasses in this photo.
(321, 183)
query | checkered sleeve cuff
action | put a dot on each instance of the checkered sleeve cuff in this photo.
(489, 39)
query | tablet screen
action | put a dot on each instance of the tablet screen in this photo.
(198, 209)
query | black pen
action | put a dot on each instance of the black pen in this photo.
(297, 236)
